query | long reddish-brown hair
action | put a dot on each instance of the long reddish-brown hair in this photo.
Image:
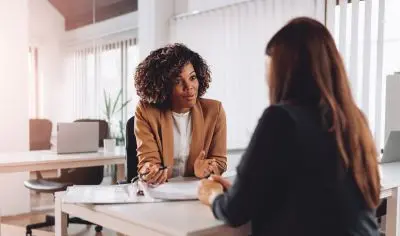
(306, 68)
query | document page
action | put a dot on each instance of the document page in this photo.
(175, 189)
(104, 194)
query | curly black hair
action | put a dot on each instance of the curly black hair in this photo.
(154, 75)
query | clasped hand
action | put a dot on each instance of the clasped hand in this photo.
(205, 167)
(153, 173)
(212, 187)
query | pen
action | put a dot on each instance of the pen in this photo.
(161, 168)
(164, 167)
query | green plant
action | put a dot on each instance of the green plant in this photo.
(113, 106)
(121, 138)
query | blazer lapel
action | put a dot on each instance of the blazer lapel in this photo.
(197, 143)
(167, 140)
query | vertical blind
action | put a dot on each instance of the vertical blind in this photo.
(98, 69)
(232, 40)
(358, 28)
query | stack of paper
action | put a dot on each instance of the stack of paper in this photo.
(175, 189)
(104, 194)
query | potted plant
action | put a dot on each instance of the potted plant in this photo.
(112, 106)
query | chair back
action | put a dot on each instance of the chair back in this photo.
(131, 152)
(40, 134)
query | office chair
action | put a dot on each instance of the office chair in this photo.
(40, 134)
(131, 152)
(68, 177)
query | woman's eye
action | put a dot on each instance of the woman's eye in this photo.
(193, 77)
(177, 81)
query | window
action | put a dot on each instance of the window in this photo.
(369, 54)
(104, 69)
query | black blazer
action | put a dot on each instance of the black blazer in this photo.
(291, 181)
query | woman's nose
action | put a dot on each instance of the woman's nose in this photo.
(189, 85)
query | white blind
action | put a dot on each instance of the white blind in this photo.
(232, 40)
(98, 68)
(358, 28)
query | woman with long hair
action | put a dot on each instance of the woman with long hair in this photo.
(311, 166)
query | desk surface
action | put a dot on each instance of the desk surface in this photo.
(181, 218)
(390, 175)
(48, 159)
(170, 218)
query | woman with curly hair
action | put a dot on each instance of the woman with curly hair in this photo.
(178, 133)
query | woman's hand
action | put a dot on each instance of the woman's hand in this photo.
(213, 167)
(225, 183)
(205, 167)
(208, 190)
(153, 174)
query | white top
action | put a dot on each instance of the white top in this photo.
(182, 138)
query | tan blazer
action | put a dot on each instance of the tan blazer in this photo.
(155, 141)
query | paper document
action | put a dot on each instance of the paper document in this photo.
(104, 194)
(175, 189)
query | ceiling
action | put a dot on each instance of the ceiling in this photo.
(78, 13)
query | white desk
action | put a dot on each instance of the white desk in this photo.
(193, 218)
(150, 219)
(390, 181)
(50, 160)
(17, 201)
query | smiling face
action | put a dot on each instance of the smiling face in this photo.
(185, 90)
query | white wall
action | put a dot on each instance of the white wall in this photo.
(201, 5)
(13, 75)
(46, 30)
(121, 26)
(154, 23)
(392, 112)
(14, 197)
(181, 6)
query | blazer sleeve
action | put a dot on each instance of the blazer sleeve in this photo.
(147, 149)
(218, 149)
(262, 175)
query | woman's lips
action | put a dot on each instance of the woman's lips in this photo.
(190, 97)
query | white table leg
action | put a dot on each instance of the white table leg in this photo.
(61, 219)
(392, 215)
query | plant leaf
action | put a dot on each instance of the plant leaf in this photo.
(124, 104)
(116, 102)
(107, 105)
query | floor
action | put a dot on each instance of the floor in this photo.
(42, 204)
